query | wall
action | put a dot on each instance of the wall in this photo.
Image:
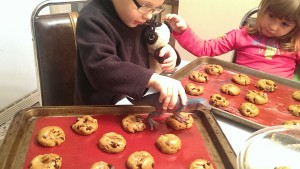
(210, 19)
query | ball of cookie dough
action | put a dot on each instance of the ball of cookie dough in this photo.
(241, 79)
(51, 136)
(213, 69)
(85, 125)
(185, 122)
(218, 101)
(295, 109)
(194, 90)
(102, 165)
(133, 123)
(249, 110)
(266, 85)
(230, 89)
(197, 76)
(201, 164)
(291, 122)
(140, 160)
(168, 143)
(49, 161)
(112, 142)
(296, 95)
(256, 97)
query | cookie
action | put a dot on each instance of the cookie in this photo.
(256, 97)
(102, 165)
(291, 122)
(241, 79)
(168, 143)
(201, 164)
(49, 161)
(218, 101)
(197, 76)
(194, 90)
(249, 110)
(85, 125)
(282, 167)
(230, 89)
(296, 95)
(294, 109)
(133, 123)
(175, 123)
(140, 160)
(213, 69)
(112, 142)
(51, 136)
(266, 85)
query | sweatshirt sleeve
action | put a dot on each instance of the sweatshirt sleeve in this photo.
(199, 47)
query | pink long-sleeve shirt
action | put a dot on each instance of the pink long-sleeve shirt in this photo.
(256, 52)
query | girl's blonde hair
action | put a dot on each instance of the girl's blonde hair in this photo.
(283, 9)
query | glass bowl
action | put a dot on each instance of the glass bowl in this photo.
(276, 147)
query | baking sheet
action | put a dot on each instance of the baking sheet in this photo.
(274, 112)
(204, 140)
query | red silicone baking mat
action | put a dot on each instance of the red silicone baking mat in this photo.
(274, 112)
(204, 140)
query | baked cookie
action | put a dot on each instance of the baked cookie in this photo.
(213, 69)
(294, 109)
(201, 164)
(85, 125)
(102, 165)
(49, 161)
(194, 90)
(230, 89)
(241, 79)
(175, 123)
(282, 167)
(218, 101)
(140, 160)
(197, 76)
(256, 97)
(51, 136)
(168, 143)
(133, 123)
(266, 85)
(291, 122)
(112, 142)
(249, 110)
(296, 95)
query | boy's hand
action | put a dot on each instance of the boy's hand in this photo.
(177, 23)
(170, 90)
(170, 56)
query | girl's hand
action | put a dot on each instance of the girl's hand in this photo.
(170, 90)
(177, 23)
(169, 63)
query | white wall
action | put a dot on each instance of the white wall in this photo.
(212, 18)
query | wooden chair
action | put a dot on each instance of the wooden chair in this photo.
(250, 16)
(55, 53)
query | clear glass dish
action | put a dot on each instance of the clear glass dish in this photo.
(276, 147)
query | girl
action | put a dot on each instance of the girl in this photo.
(113, 59)
(270, 45)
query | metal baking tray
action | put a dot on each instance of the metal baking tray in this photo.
(275, 112)
(204, 140)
